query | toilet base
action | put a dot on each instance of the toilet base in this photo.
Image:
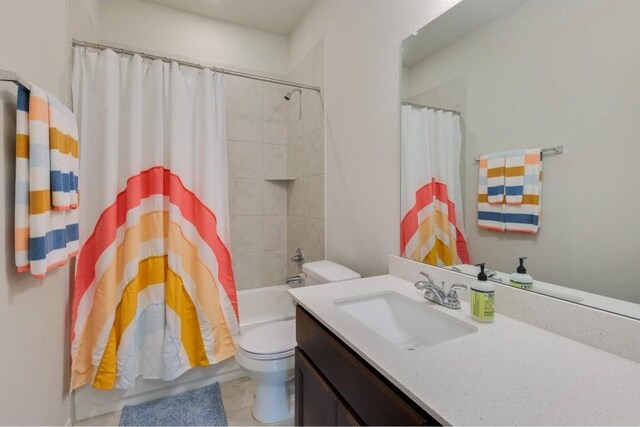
(272, 403)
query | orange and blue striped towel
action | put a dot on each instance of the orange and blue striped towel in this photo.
(495, 178)
(490, 216)
(63, 151)
(44, 237)
(523, 217)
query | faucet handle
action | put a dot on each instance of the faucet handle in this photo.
(421, 285)
(452, 290)
(429, 279)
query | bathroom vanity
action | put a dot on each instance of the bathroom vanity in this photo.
(437, 366)
(335, 386)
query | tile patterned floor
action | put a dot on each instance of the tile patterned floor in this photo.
(237, 398)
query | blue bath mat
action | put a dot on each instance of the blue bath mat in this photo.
(199, 407)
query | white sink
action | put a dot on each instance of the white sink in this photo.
(406, 323)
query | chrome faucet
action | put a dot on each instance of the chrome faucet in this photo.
(435, 293)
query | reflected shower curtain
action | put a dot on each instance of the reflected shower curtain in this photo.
(154, 292)
(432, 228)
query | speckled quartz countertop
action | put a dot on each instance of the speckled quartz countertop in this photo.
(506, 373)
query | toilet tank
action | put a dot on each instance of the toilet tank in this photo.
(324, 271)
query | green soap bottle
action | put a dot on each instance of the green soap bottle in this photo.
(482, 297)
(520, 279)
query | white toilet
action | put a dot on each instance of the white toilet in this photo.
(266, 353)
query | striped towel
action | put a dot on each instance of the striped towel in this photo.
(495, 178)
(63, 151)
(44, 238)
(514, 176)
(523, 217)
(490, 216)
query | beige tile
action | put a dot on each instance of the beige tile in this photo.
(237, 394)
(295, 234)
(315, 196)
(242, 417)
(245, 160)
(244, 91)
(275, 125)
(274, 268)
(296, 158)
(245, 123)
(245, 196)
(237, 398)
(294, 123)
(274, 96)
(297, 197)
(312, 112)
(274, 233)
(247, 234)
(275, 198)
(315, 153)
(247, 270)
(110, 419)
(314, 238)
(275, 161)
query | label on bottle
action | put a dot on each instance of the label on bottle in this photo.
(521, 285)
(482, 304)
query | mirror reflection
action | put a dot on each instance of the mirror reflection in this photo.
(520, 139)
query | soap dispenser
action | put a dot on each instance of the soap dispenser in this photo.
(520, 279)
(482, 296)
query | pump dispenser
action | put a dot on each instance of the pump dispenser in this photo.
(520, 279)
(482, 297)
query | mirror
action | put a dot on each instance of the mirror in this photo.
(548, 93)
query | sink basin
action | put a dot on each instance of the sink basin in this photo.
(405, 323)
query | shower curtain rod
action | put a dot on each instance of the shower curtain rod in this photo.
(85, 44)
(431, 108)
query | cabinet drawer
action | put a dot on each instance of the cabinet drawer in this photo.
(372, 397)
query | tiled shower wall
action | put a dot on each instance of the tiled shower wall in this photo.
(269, 141)
(305, 162)
(257, 148)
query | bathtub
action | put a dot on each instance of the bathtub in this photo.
(264, 305)
(256, 306)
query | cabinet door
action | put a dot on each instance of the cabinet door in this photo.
(316, 404)
(345, 417)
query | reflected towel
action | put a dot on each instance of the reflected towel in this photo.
(490, 216)
(525, 217)
(495, 178)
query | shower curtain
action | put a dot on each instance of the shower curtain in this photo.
(154, 292)
(432, 228)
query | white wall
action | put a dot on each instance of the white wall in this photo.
(362, 120)
(157, 29)
(34, 315)
(551, 73)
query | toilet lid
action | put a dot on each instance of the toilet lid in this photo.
(276, 337)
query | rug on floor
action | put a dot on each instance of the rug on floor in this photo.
(199, 407)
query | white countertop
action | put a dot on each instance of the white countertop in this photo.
(506, 373)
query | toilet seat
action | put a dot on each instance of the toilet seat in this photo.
(272, 341)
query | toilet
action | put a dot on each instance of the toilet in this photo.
(266, 353)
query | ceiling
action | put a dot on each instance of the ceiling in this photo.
(455, 23)
(274, 16)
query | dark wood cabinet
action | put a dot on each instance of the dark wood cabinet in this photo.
(316, 402)
(335, 386)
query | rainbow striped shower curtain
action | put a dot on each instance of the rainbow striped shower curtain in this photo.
(432, 226)
(154, 292)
